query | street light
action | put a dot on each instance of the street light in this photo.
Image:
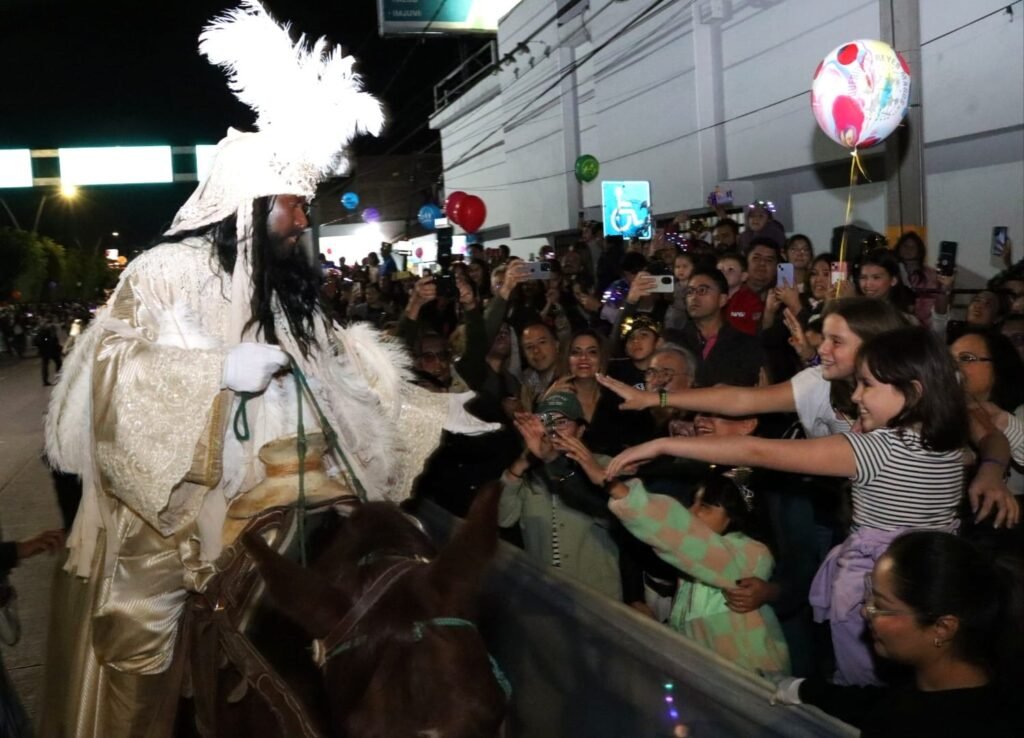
(67, 191)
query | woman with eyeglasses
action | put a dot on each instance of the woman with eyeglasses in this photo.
(993, 378)
(940, 607)
(906, 465)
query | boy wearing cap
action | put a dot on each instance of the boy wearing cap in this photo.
(641, 336)
(563, 517)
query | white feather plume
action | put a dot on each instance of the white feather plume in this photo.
(307, 95)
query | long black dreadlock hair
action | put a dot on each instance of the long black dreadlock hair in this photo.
(289, 276)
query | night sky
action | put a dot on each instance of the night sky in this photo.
(107, 72)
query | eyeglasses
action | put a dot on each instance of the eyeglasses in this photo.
(662, 375)
(702, 290)
(550, 420)
(869, 602)
(966, 357)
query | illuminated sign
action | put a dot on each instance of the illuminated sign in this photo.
(116, 165)
(15, 168)
(442, 16)
(627, 209)
(111, 254)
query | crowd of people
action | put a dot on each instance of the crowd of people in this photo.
(742, 457)
(772, 463)
(44, 330)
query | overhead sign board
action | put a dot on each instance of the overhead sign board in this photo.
(116, 165)
(441, 16)
(15, 168)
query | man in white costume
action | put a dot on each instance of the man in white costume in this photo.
(222, 306)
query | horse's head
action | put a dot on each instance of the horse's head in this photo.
(390, 620)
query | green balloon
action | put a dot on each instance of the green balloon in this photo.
(587, 168)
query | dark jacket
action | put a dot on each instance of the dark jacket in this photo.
(735, 359)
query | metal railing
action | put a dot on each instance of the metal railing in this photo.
(479, 64)
(580, 664)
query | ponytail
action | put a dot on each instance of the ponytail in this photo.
(939, 574)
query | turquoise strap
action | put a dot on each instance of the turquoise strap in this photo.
(418, 628)
(241, 422)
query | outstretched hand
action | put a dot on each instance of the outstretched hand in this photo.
(634, 399)
(627, 462)
(49, 541)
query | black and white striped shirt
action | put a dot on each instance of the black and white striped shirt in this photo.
(900, 484)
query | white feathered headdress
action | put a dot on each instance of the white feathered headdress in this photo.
(309, 105)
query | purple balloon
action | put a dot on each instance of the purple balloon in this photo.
(371, 215)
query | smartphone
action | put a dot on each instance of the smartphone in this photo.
(446, 286)
(946, 264)
(664, 283)
(840, 271)
(999, 236)
(787, 277)
(538, 269)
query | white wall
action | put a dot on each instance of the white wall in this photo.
(686, 101)
(819, 211)
(962, 208)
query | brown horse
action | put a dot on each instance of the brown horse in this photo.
(389, 617)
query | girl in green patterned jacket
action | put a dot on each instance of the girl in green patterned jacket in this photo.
(709, 543)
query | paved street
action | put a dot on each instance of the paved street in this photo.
(28, 505)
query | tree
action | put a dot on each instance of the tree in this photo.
(34, 265)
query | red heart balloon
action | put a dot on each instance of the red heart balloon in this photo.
(451, 205)
(472, 213)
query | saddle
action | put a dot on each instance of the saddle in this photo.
(235, 647)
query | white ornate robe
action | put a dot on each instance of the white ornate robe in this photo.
(131, 405)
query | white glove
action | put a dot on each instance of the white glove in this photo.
(787, 691)
(249, 366)
(461, 422)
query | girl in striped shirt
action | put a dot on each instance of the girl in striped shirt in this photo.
(905, 463)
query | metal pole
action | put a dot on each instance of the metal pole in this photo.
(904, 150)
(39, 212)
(8, 209)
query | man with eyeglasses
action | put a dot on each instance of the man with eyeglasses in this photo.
(432, 361)
(671, 370)
(724, 354)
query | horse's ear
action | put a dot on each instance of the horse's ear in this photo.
(305, 596)
(459, 568)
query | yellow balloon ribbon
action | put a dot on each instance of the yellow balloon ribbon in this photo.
(855, 166)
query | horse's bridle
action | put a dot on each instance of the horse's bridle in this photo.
(338, 639)
(331, 644)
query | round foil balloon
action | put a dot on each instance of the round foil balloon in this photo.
(587, 168)
(860, 93)
(350, 200)
(371, 215)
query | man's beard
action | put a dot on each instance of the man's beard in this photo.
(296, 284)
